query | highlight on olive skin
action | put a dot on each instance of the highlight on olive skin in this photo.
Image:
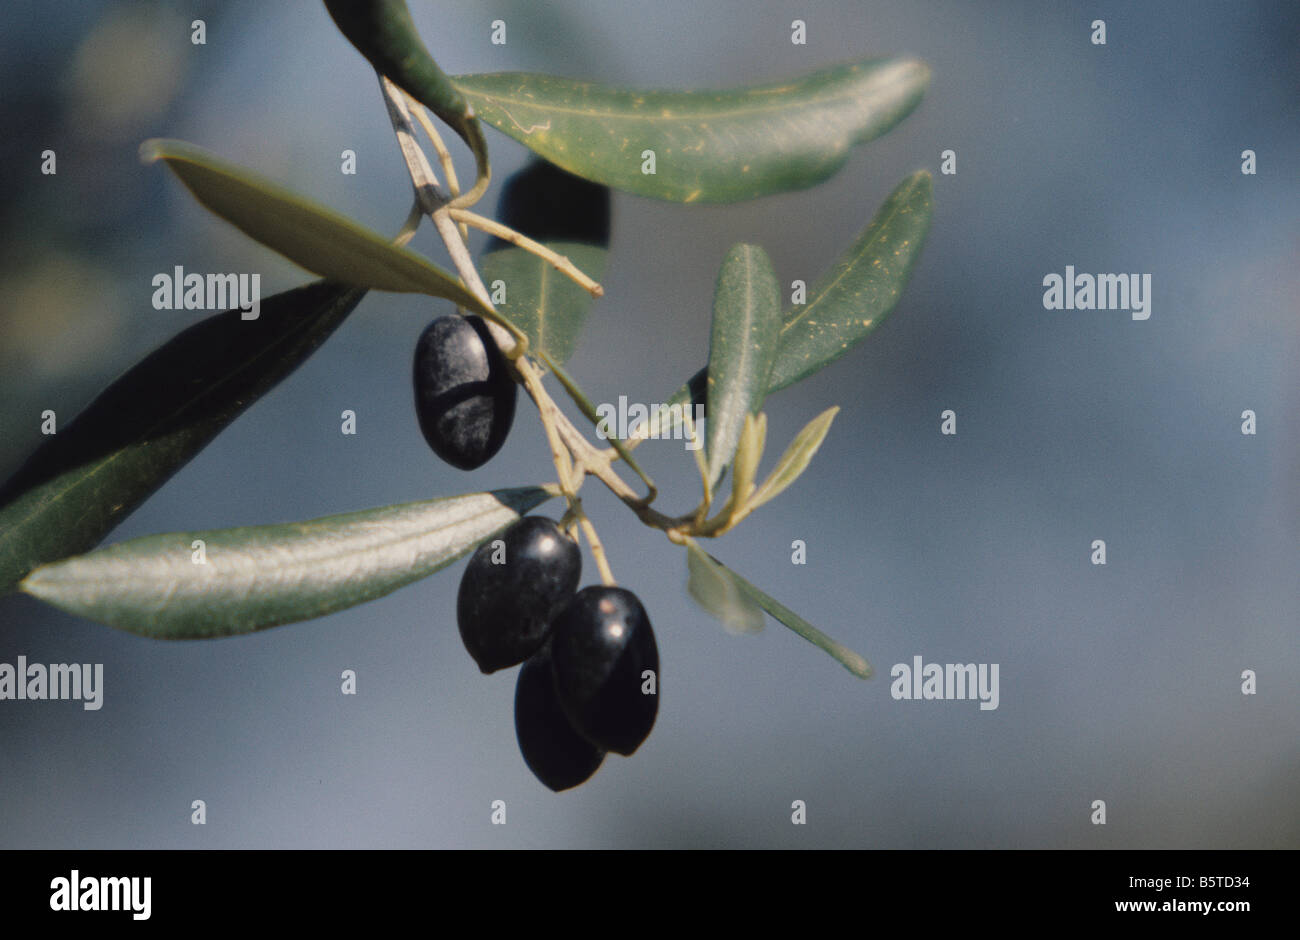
(512, 589)
(602, 649)
(581, 690)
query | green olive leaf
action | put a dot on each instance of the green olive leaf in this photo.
(706, 146)
(715, 589)
(250, 578)
(310, 235)
(865, 284)
(80, 483)
(749, 452)
(742, 347)
(383, 32)
(850, 660)
(795, 460)
(848, 302)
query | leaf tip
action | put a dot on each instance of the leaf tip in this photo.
(151, 151)
(923, 72)
(858, 666)
(35, 583)
(913, 73)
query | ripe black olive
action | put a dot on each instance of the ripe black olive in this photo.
(464, 394)
(601, 647)
(555, 753)
(512, 589)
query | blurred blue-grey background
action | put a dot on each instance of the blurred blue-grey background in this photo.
(1119, 683)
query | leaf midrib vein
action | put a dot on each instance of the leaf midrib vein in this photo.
(836, 95)
(881, 234)
(333, 547)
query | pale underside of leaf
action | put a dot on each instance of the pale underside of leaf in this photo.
(261, 576)
(709, 146)
(750, 451)
(746, 323)
(796, 458)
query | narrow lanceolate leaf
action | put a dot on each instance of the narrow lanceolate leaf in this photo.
(748, 453)
(83, 481)
(796, 458)
(571, 217)
(716, 590)
(746, 323)
(246, 579)
(308, 234)
(705, 146)
(690, 397)
(852, 298)
(850, 660)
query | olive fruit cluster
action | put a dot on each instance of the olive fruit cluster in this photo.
(589, 682)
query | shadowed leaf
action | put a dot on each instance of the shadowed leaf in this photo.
(84, 480)
(310, 235)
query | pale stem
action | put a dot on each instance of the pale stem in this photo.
(557, 261)
(597, 548)
(417, 164)
(706, 499)
(440, 148)
(589, 410)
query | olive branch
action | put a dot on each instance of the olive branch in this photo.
(719, 148)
